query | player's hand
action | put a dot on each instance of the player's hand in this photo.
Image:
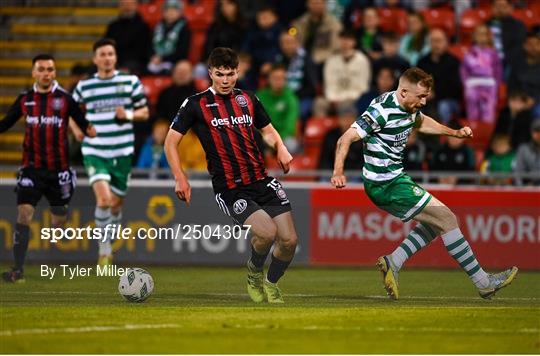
(284, 159)
(183, 190)
(91, 131)
(121, 113)
(339, 181)
(464, 132)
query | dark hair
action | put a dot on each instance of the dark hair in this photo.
(223, 57)
(267, 7)
(417, 41)
(416, 75)
(238, 21)
(346, 33)
(390, 36)
(42, 57)
(103, 42)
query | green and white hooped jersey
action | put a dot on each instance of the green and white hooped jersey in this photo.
(384, 128)
(101, 97)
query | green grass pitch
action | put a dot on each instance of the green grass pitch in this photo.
(206, 310)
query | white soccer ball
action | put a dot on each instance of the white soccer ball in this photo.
(136, 285)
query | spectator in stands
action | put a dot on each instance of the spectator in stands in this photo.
(385, 82)
(415, 43)
(414, 157)
(528, 156)
(347, 115)
(444, 68)
(516, 118)
(171, 39)
(302, 75)
(347, 74)
(508, 33)
(390, 57)
(369, 36)
(152, 153)
(182, 86)
(247, 79)
(229, 28)
(501, 160)
(318, 31)
(525, 70)
(481, 74)
(132, 36)
(262, 41)
(282, 106)
(453, 156)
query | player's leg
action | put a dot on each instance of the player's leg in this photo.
(21, 236)
(102, 218)
(282, 255)
(439, 216)
(29, 193)
(264, 233)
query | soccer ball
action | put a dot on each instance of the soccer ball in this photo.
(136, 285)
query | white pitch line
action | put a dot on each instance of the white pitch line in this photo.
(299, 295)
(86, 329)
(391, 329)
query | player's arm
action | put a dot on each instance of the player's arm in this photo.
(78, 123)
(338, 179)
(272, 138)
(14, 113)
(429, 126)
(182, 187)
(140, 110)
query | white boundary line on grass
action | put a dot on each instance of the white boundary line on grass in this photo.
(297, 295)
(127, 327)
(86, 329)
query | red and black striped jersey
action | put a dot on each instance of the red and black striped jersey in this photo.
(225, 125)
(47, 116)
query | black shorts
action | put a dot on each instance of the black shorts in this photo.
(266, 194)
(57, 186)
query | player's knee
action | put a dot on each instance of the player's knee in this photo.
(25, 214)
(268, 232)
(448, 222)
(58, 220)
(289, 244)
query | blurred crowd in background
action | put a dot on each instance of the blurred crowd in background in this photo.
(316, 65)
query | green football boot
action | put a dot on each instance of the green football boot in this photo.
(390, 277)
(273, 293)
(255, 283)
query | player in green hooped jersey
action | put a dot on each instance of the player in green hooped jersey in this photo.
(384, 128)
(112, 100)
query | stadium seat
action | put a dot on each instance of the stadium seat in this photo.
(459, 50)
(151, 12)
(502, 96)
(529, 17)
(482, 132)
(443, 18)
(153, 86)
(393, 19)
(198, 40)
(469, 20)
(314, 133)
(200, 15)
(201, 84)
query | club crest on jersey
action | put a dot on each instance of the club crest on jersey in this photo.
(241, 100)
(417, 191)
(57, 103)
(281, 194)
(239, 206)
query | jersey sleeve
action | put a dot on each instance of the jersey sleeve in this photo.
(137, 95)
(77, 93)
(261, 118)
(77, 114)
(185, 117)
(371, 121)
(14, 113)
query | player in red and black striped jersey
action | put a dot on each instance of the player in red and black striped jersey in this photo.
(45, 166)
(225, 120)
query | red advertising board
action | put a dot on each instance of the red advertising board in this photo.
(502, 227)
